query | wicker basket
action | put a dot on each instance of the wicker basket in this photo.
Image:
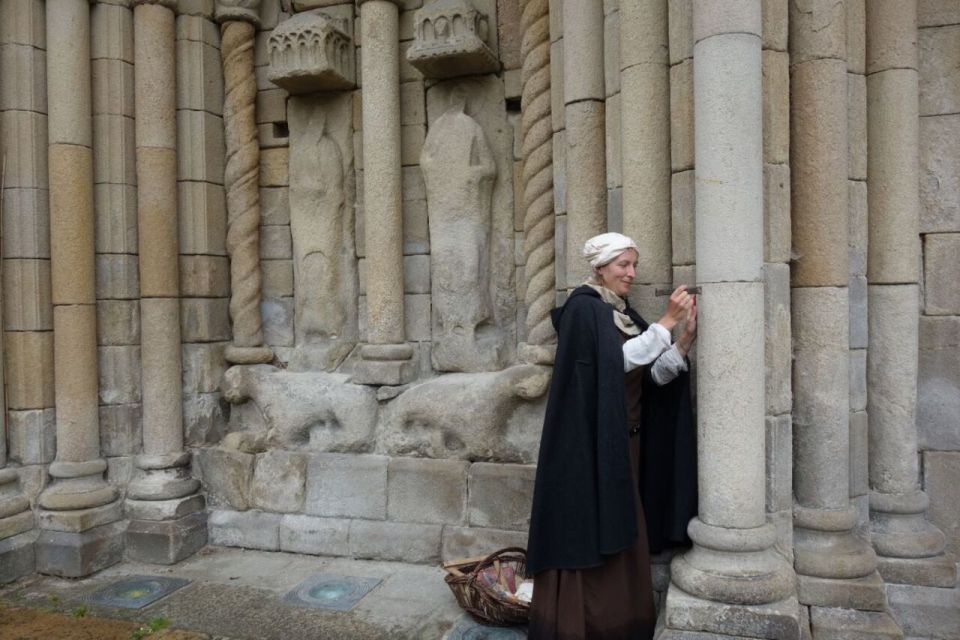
(479, 600)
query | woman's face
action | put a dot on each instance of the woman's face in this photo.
(618, 274)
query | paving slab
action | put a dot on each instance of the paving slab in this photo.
(237, 594)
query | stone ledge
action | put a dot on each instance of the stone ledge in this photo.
(465, 542)
(247, 529)
(418, 543)
(927, 612)
(843, 624)
(316, 536)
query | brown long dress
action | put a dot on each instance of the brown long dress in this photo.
(615, 600)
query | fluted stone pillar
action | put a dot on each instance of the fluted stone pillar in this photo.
(539, 217)
(79, 529)
(732, 581)
(584, 115)
(835, 567)
(17, 556)
(645, 137)
(386, 358)
(238, 24)
(17, 55)
(910, 549)
(167, 523)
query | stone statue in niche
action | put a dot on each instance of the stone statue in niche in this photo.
(321, 224)
(459, 170)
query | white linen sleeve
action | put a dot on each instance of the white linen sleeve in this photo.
(646, 347)
(668, 366)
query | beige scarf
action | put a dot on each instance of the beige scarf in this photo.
(622, 320)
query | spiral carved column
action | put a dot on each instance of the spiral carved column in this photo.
(538, 220)
(238, 21)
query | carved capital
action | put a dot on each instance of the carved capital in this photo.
(311, 51)
(450, 39)
(246, 10)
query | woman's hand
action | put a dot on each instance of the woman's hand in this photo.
(689, 334)
(678, 308)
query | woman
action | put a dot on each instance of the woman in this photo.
(588, 546)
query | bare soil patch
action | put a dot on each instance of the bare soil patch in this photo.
(21, 623)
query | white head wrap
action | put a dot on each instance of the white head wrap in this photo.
(601, 249)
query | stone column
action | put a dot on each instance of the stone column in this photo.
(645, 137)
(238, 24)
(539, 218)
(835, 567)
(732, 581)
(167, 522)
(25, 344)
(911, 549)
(386, 359)
(584, 113)
(17, 557)
(79, 529)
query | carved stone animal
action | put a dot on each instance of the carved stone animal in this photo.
(311, 410)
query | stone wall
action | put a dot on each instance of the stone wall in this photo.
(400, 415)
(938, 411)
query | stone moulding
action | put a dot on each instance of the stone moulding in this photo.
(451, 40)
(311, 52)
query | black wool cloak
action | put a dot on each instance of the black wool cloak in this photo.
(583, 504)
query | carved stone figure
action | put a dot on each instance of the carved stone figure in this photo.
(311, 52)
(321, 224)
(495, 416)
(459, 170)
(319, 411)
(451, 40)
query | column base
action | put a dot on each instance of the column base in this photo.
(843, 624)
(687, 617)
(162, 477)
(80, 520)
(77, 485)
(168, 541)
(384, 364)
(17, 524)
(159, 510)
(938, 571)
(735, 566)
(910, 550)
(69, 554)
(17, 556)
(865, 594)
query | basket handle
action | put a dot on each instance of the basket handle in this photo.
(480, 566)
(490, 558)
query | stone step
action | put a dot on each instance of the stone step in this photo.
(930, 613)
(850, 624)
